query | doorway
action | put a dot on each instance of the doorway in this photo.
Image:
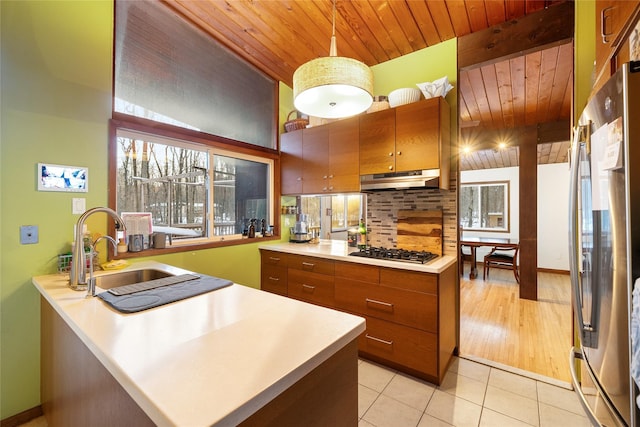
(501, 100)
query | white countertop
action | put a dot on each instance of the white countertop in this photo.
(213, 359)
(339, 250)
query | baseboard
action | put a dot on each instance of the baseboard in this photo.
(22, 417)
(553, 271)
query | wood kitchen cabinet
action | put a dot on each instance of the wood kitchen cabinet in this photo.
(273, 272)
(410, 137)
(321, 159)
(344, 156)
(615, 20)
(291, 162)
(411, 317)
(378, 142)
(301, 277)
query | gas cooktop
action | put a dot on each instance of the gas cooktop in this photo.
(419, 257)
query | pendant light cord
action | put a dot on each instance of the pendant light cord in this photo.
(333, 24)
(333, 51)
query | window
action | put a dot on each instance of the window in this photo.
(194, 193)
(310, 205)
(346, 211)
(485, 206)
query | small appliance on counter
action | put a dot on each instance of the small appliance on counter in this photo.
(299, 233)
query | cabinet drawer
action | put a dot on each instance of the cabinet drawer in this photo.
(361, 272)
(273, 278)
(412, 348)
(273, 258)
(310, 264)
(409, 280)
(311, 287)
(408, 308)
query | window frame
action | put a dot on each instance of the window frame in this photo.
(220, 146)
(507, 206)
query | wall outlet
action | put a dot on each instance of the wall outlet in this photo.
(28, 234)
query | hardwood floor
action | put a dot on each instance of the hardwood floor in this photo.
(498, 326)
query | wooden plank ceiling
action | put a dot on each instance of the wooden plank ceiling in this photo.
(279, 36)
(528, 90)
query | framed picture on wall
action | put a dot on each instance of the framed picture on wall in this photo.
(62, 178)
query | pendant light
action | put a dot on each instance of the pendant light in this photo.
(333, 87)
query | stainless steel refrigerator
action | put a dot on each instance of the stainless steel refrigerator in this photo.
(604, 249)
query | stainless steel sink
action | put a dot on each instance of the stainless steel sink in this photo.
(122, 278)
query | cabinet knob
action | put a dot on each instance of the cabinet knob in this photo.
(390, 168)
(324, 177)
(330, 176)
(391, 154)
(324, 188)
(399, 153)
(299, 178)
(331, 187)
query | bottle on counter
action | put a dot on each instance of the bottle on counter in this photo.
(362, 234)
(122, 246)
(252, 229)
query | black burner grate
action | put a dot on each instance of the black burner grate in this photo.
(420, 257)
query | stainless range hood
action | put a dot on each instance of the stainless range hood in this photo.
(401, 180)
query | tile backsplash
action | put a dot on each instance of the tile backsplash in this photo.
(383, 207)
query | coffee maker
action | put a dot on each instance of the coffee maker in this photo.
(299, 233)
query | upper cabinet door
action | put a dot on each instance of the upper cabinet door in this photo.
(344, 168)
(315, 152)
(377, 142)
(291, 162)
(418, 135)
(613, 18)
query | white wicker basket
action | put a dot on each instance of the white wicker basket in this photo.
(402, 96)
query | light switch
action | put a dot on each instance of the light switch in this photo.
(28, 234)
(79, 205)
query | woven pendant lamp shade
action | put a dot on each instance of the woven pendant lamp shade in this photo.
(333, 87)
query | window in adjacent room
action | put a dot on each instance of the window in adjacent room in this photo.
(485, 206)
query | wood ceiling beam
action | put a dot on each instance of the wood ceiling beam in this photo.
(540, 30)
(487, 139)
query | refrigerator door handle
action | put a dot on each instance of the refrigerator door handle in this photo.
(574, 262)
(579, 262)
(573, 355)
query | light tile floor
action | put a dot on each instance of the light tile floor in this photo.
(471, 394)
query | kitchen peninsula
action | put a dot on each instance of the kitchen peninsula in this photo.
(410, 308)
(234, 356)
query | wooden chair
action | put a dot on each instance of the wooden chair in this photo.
(465, 256)
(505, 257)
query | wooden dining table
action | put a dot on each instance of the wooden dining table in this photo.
(475, 242)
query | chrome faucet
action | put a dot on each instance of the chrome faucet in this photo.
(78, 272)
(91, 283)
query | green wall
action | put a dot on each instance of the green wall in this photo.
(585, 53)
